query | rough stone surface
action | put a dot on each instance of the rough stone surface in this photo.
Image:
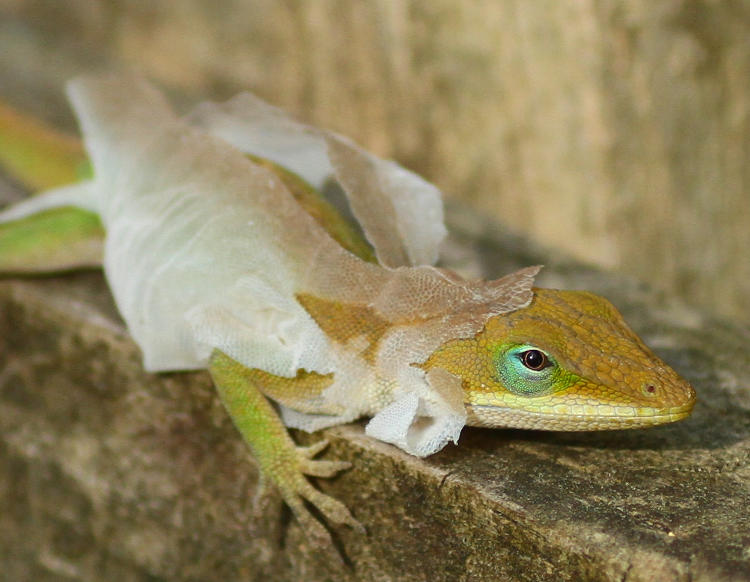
(109, 473)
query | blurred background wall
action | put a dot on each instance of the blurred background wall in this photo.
(615, 130)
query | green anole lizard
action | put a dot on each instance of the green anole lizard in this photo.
(221, 255)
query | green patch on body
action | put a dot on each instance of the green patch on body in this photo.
(58, 239)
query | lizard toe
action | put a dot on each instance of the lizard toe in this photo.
(312, 450)
(322, 468)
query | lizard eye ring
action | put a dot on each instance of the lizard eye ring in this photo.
(526, 370)
(535, 360)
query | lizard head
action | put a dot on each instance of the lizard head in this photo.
(568, 361)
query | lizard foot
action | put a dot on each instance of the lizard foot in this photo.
(296, 489)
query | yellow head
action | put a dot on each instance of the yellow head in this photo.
(568, 361)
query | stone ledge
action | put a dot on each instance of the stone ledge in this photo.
(112, 473)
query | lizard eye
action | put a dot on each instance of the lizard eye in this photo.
(535, 360)
(526, 370)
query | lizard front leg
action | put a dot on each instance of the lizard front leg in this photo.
(279, 458)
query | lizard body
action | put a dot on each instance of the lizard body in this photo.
(221, 255)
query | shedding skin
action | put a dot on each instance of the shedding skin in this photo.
(593, 372)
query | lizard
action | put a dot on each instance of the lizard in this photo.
(221, 254)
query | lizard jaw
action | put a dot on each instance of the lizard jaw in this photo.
(576, 418)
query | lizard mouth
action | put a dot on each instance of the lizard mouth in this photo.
(569, 419)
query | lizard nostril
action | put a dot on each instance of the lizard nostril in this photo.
(649, 390)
